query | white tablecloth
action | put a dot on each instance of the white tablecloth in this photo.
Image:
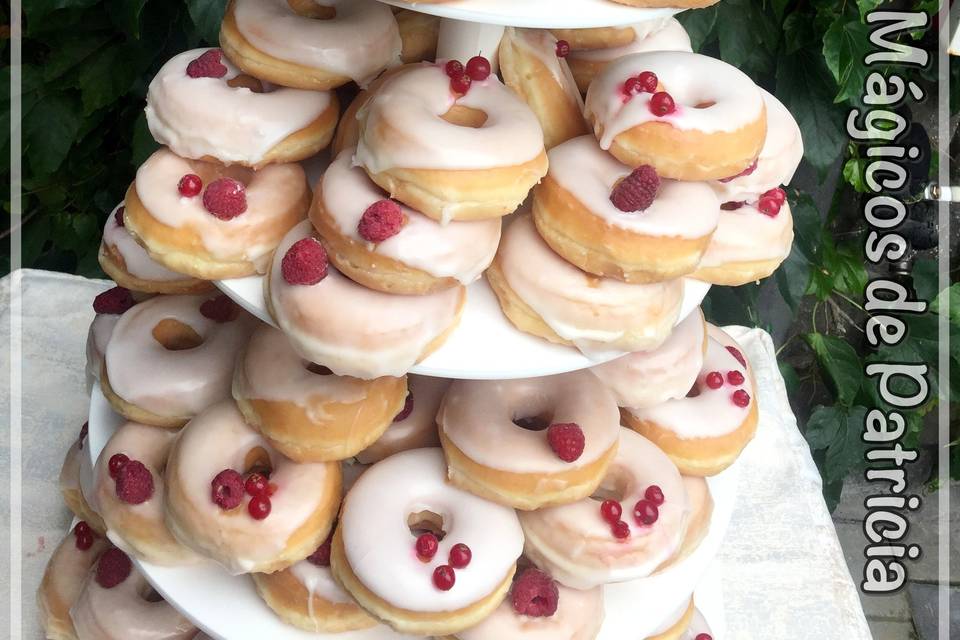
(783, 571)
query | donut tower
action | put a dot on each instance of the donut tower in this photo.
(288, 473)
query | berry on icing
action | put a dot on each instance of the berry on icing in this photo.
(735, 378)
(645, 512)
(259, 507)
(620, 530)
(648, 81)
(631, 87)
(426, 546)
(611, 510)
(225, 198)
(637, 191)
(703, 636)
(453, 68)
(478, 68)
(134, 483)
(461, 84)
(226, 489)
(534, 594)
(118, 216)
(460, 556)
(84, 535)
(654, 495)
(304, 263)
(321, 557)
(190, 185)
(714, 380)
(738, 355)
(662, 104)
(383, 219)
(444, 577)
(113, 567)
(740, 398)
(220, 309)
(745, 172)
(256, 484)
(113, 301)
(117, 462)
(208, 65)
(771, 202)
(566, 440)
(563, 48)
(407, 408)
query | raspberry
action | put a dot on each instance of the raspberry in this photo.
(453, 69)
(134, 483)
(226, 489)
(225, 198)
(83, 435)
(731, 206)
(478, 68)
(648, 81)
(735, 378)
(407, 408)
(208, 65)
(563, 48)
(117, 462)
(654, 495)
(620, 530)
(610, 510)
(321, 557)
(220, 309)
(114, 301)
(745, 172)
(741, 398)
(736, 354)
(566, 440)
(118, 217)
(259, 507)
(703, 636)
(461, 84)
(637, 191)
(444, 577)
(426, 546)
(304, 263)
(256, 484)
(534, 594)
(460, 556)
(662, 104)
(113, 567)
(714, 380)
(380, 221)
(190, 185)
(645, 513)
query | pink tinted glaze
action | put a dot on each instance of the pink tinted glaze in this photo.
(578, 617)
(136, 261)
(97, 338)
(745, 234)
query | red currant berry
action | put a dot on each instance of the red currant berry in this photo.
(426, 546)
(769, 206)
(256, 484)
(648, 81)
(631, 87)
(444, 577)
(777, 194)
(259, 507)
(610, 510)
(478, 68)
(461, 84)
(703, 636)
(82, 528)
(620, 530)
(563, 48)
(453, 69)
(741, 398)
(714, 380)
(460, 556)
(662, 104)
(735, 378)
(84, 542)
(190, 185)
(654, 495)
(645, 513)
(117, 461)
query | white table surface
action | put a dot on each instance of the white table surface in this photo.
(784, 574)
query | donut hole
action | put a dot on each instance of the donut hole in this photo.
(694, 391)
(534, 422)
(246, 82)
(149, 594)
(615, 486)
(462, 116)
(310, 9)
(210, 171)
(318, 369)
(174, 335)
(257, 460)
(706, 104)
(427, 521)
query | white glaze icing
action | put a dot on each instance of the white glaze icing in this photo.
(681, 209)
(745, 234)
(70, 470)
(477, 416)
(412, 102)
(690, 78)
(358, 43)
(697, 626)
(596, 314)
(419, 429)
(354, 330)
(219, 439)
(176, 383)
(778, 160)
(318, 581)
(574, 543)
(376, 534)
(578, 617)
(712, 413)
(542, 44)
(647, 378)
(98, 335)
(271, 193)
(460, 250)
(136, 261)
(670, 37)
(199, 117)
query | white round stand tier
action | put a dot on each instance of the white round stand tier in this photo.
(227, 607)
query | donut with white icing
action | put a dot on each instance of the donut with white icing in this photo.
(310, 44)
(414, 429)
(581, 211)
(190, 343)
(674, 627)
(127, 610)
(348, 129)
(647, 378)
(306, 412)
(698, 629)
(531, 66)
(70, 487)
(668, 4)
(414, 595)
(418, 33)
(496, 438)
(704, 119)
(212, 509)
(587, 64)
(390, 247)
(705, 432)
(448, 155)
(195, 232)
(219, 113)
(63, 579)
(609, 37)
(353, 330)
(578, 543)
(128, 264)
(543, 294)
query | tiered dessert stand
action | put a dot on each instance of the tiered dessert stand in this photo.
(484, 346)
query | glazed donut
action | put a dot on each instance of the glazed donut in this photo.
(543, 294)
(531, 67)
(414, 429)
(309, 44)
(98, 336)
(419, 33)
(399, 250)
(191, 344)
(111, 610)
(586, 65)
(713, 123)
(647, 378)
(583, 210)
(70, 488)
(305, 412)
(423, 597)
(450, 156)
(130, 266)
(63, 580)
(205, 235)
(215, 115)
(497, 445)
(778, 160)
(353, 330)
(697, 629)
(208, 512)
(348, 129)
(748, 244)
(669, 4)
(131, 501)
(578, 545)
(698, 520)
(609, 37)
(676, 625)
(705, 432)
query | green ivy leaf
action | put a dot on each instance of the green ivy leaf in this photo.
(791, 379)
(70, 52)
(841, 364)
(853, 170)
(806, 225)
(143, 143)
(38, 10)
(108, 74)
(845, 455)
(207, 16)
(49, 132)
(797, 32)
(822, 427)
(866, 6)
(126, 15)
(779, 7)
(953, 295)
(926, 278)
(845, 44)
(741, 45)
(793, 277)
(699, 25)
